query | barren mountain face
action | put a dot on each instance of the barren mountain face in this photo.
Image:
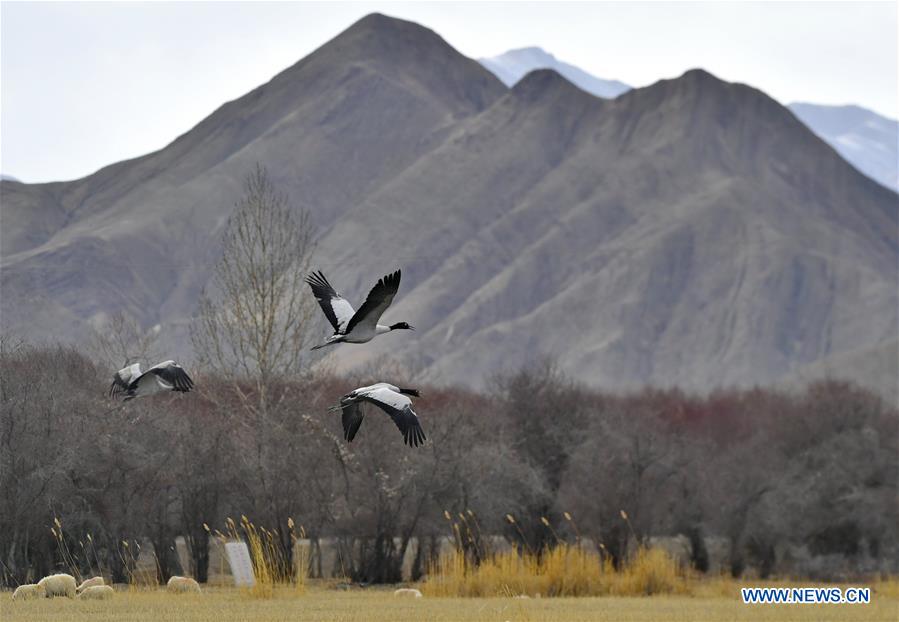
(693, 232)
(865, 139)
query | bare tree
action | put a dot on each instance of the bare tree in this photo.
(253, 322)
(801, 484)
(544, 412)
(252, 333)
(121, 341)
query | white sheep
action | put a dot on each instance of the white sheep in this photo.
(29, 591)
(408, 592)
(59, 585)
(97, 592)
(180, 585)
(90, 582)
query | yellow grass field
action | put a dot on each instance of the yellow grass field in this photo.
(322, 604)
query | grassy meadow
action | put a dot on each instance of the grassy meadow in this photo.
(321, 602)
(566, 583)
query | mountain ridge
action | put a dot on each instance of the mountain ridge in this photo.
(671, 235)
(435, 300)
(512, 65)
(865, 139)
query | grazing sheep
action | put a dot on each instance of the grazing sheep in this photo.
(59, 585)
(181, 585)
(90, 582)
(97, 592)
(29, 591)
(408, 592)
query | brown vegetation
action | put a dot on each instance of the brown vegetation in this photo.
(798, 484)
(376, 605)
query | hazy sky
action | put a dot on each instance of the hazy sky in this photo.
(87, 84)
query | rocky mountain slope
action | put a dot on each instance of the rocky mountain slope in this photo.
(865, 139)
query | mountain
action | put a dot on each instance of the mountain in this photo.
(867, 140)
(512, 66)
(5, 177)
(139, 235)
(692, 232)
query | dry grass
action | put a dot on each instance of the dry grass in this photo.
(886, 588)
(651, 571)
(271, 566)
(328, 605)
(565, 570)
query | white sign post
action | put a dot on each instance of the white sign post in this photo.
(241, 566)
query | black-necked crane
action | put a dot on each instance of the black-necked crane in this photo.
(356, 326)
(166, 376)
(389, 398)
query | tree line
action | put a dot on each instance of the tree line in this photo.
(803, 483)
(799, 483)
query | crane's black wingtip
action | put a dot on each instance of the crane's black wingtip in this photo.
(414, 437)
(392, 280)
(315, 279)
